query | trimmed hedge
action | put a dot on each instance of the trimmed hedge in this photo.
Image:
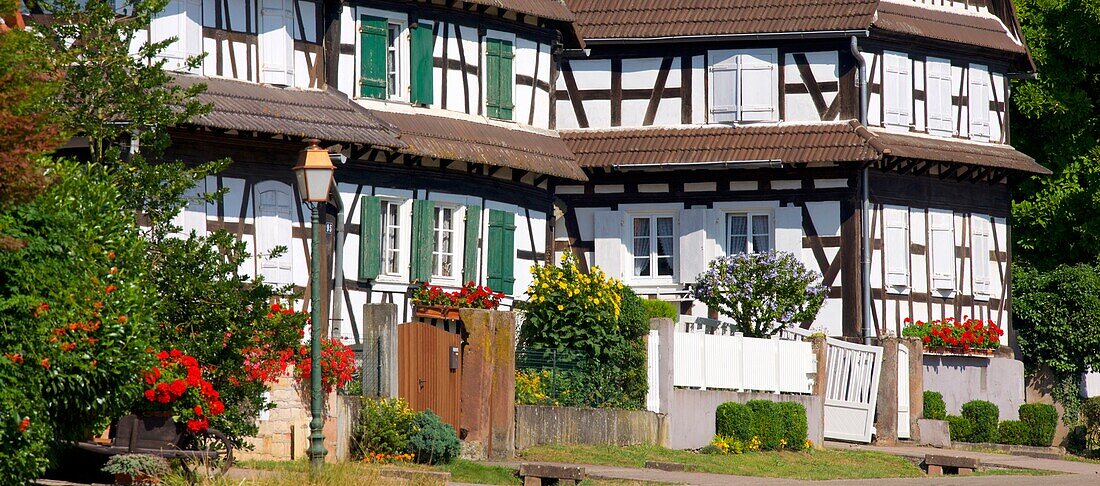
(1040, 420)
(934, 406)
(777, 425)
(984, 417)
(1013, 432)
(734, 419)
(660, 308)
(960, 428)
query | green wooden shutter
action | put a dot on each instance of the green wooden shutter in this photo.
(501, 252)
(372, 56)
(423, 240)
(422, 43)
(473, 229)
(505, 80)
(370, 238)
(492, 73)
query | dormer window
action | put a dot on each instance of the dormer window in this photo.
(395, 60)
(744, 86)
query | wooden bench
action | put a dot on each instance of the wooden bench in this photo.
(939, 464)
(545, 474)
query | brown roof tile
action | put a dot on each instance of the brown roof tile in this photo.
(326, 115)
(547, 9)
(471, 141)
(970, 29)
(811, 143)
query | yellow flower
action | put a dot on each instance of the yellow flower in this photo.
(561, 307)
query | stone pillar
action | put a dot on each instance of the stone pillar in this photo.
(666, 330)
(487, 409)
(502, 395)
(379, 370)
(821, 350)
(916, 385)
(886, 410)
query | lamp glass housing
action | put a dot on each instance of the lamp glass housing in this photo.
(314, 174)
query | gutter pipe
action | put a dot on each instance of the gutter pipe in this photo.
(865, 199)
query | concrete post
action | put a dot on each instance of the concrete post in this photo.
(379, 371)
(886, 410)
(666, 330)
(916, 386)
(502, 400)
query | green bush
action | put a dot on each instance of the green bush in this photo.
(983, 416)
(934, 406)
(795, 428)
(1013, 432)
(1040, 420)
(137, 465)
(1090, 412)
(383, 428)
(960, 428)
(767, 423)
(734, 419)
(655, 309)
(432, 441)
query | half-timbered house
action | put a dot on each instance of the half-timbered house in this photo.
(868, 137)
(442, 110)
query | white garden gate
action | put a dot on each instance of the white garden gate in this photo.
(851, 390)
(903, 392)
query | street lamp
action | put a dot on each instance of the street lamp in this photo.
(314, 173)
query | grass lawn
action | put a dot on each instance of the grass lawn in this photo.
(815, 464)
(461, 470)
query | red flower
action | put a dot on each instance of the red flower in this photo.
(927, 339)
(198, 410)
(15, 358)
(110, 288)
(45, 363)
(217, 408)
(197, 425)
(150, 395)
(175, 353)
(276, 307)
(24, 424)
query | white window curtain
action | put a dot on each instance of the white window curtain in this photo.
(897, 90)
(938, 95)
(978, 96)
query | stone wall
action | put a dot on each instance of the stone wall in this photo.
(692, 412)
(536, 425)
(964, 378)
(284, 430)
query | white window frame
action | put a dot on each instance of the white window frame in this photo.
(458, 235)
(735, 60)
(943, 125)
(404, 67)
(897, 91)
(628, 238)
(404, 239)
(749, 246)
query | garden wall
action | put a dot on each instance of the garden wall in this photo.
(692, 412)
(284, 430)
(964, 378)
(537, 425)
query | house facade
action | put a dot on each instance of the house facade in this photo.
(868, 137)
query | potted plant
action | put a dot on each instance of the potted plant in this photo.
(136, 468)
(430, 301)
(177, 398)
(972, 337)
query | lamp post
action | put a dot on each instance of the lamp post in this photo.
(314, 173)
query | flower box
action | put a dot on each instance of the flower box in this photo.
(436, 312)
(957, 351)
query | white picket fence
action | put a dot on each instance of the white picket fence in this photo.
(710, 361)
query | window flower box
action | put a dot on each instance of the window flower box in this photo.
(430, 301)
(959, 351)
(436, 312)
(966, 337)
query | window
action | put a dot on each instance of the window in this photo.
(391, 237)
(748, 233)
(181, 19)
(979, 102)
(273, 230)
(979, 246)
(943, 250)
(938, 93)
(897, 90)
(744, 86)
(896, 242)
(393, 71)
(498, 73)
(443, 253)
(395, 60)
(654, 239)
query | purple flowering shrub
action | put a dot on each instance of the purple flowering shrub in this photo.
(761, 292)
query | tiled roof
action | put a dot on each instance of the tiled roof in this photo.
(833, 142)
(326, 115)
(547, 9)
(483, 143)
(906, 17)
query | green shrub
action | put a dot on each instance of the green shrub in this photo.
(934, 406)
(1013, 432)
(795, 428)
(734, 419)
(767, 423)
(656, 309)
(983, 416)
(137, 465)
(433, 442)
(960, 428)
(383, 428)
(1090, 412)
(1040, 420)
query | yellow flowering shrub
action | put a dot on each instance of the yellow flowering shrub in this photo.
(569, 309)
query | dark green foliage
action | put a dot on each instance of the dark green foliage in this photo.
(655, 308)
(710, 449)
(983, 416)
(795, 429)
(432, 441)
(934, 406)
(383, 428)
(733, 419)
(960, 427)
(767, 423)
(1013, 432)
(1090, 413)
(1040, 420)
(137, 465)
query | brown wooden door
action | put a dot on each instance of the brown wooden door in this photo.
(425, 377)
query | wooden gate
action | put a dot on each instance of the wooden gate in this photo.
(851, 390)
(429, 369)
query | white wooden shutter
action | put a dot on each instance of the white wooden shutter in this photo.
(896, 245)
(609, 248)
(192, 30)
(276, 42)
(274, 228)
(723, 86)
(167, 24)
(715, 237)
(693, 242)
(788, 230)
(938, 96)
(759, 85)
(979, 253)
(943, 249)
(897, 89)
(978, 96)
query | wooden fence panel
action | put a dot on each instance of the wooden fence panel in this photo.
(426, 377)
